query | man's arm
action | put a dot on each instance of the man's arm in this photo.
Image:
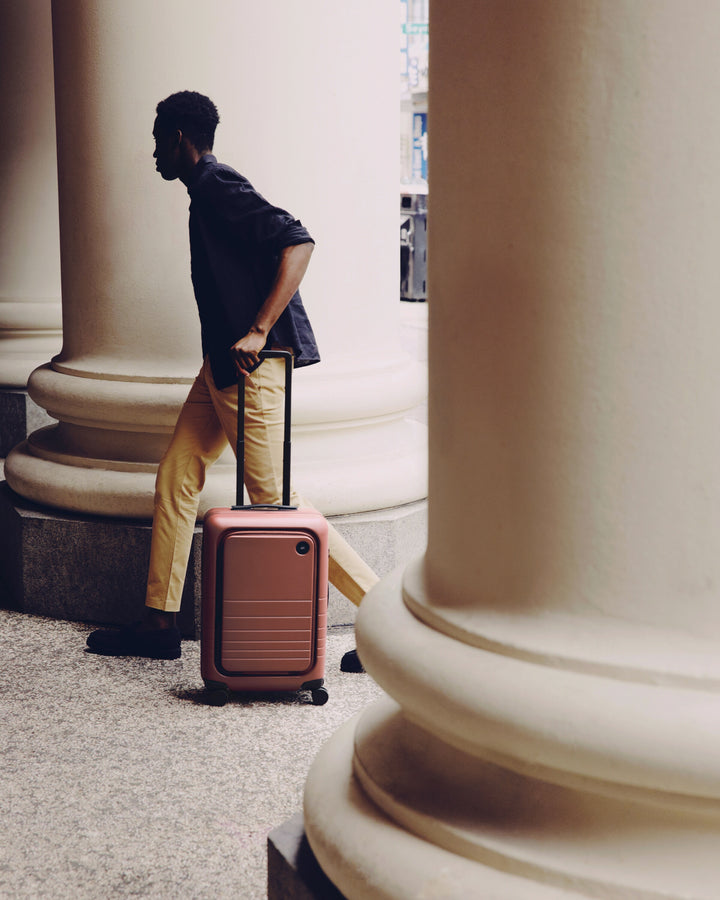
(293, 265)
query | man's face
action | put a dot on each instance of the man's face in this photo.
(167, 152)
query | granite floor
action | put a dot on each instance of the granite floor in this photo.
(118, 780)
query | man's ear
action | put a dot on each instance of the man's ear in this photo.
(188, 150)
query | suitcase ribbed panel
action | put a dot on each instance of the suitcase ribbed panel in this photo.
(268, 603)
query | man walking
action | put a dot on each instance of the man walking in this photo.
(248, 259)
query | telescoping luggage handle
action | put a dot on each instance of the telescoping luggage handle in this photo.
(240, 447)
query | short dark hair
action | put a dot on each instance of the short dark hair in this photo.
(192, 113)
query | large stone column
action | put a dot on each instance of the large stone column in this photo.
(306, 118)
(553, 659)
(30, 315)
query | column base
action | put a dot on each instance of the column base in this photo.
(372, 857)
(19, 416)
(492, 774)
(293, 871)
(93, 569)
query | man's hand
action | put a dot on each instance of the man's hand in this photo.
(246, 352)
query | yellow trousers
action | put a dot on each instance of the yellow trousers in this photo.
(207, 421)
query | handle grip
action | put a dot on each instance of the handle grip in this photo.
(240, 446)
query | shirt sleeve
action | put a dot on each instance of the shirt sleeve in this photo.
(233, 203)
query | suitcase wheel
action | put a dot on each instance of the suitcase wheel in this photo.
(320, 696)
(218, 696)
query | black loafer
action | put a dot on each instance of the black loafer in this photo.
(155, 643)
(351, 662)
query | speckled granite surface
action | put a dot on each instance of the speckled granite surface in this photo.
(116, 780)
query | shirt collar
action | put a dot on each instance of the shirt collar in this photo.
(207, 160)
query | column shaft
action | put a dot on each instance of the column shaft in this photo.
(29, 248)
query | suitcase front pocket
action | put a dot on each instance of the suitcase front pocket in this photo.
(266, 604)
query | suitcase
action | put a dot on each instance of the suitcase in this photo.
(265, 587)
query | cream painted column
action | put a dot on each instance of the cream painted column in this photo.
(30, 316)
(314, 126)
(552, 726)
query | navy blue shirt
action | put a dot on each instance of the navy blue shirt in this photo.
(236, 240)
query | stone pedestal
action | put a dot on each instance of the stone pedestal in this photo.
(293, 871)
(83, 568)
(94, 568)
(19, 416)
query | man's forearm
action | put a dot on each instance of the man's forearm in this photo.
(291, 270)
(293, 265)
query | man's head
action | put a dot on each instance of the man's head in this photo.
(184, 130)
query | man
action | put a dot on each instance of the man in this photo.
(248, 259)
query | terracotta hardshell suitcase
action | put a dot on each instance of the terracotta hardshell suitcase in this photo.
(265, 577)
